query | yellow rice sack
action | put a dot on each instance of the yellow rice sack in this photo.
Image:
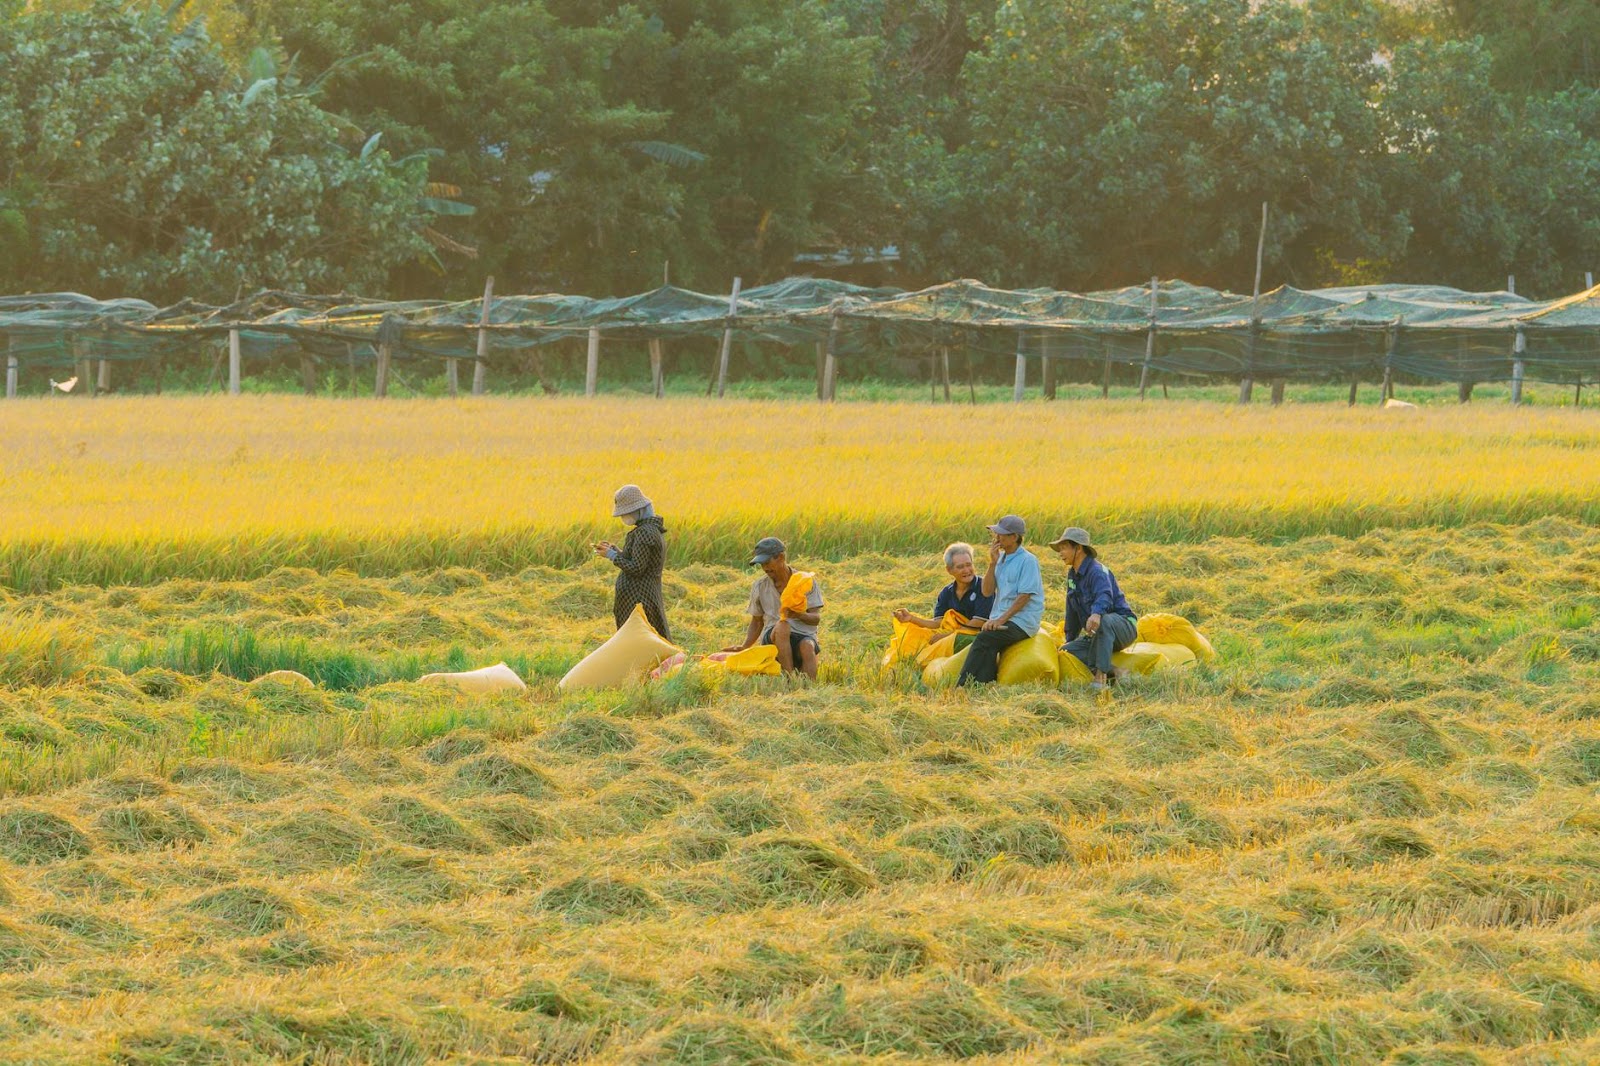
(907, 641)
(760, 660)
(942, 673)
(795, 592)
(496, 678)
(1030, 660)
(631, 653)
(1172, 629)
(942, 648)
(1073, 672)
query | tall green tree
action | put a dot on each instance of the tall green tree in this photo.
(1491, 182)
(135, 161)
(1115, 139)
(600, 140)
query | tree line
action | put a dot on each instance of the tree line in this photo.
(409, 148)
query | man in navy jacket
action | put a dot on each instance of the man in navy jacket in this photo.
(1099, 621)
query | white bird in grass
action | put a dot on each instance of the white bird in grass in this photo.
(64, 386)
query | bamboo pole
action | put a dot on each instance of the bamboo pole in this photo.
(1019, 383)
(104, 384)
(944, 368)
(1150, 337)
(234, 362)
(1105, 374)
(480, 366)
(452, 377)
(308, 374)
(727, 340)
(11, 367)
(591, 371)
(1511, 284)
(658, 377)
(822, 383)
(1047, 367)
(350, 357)
(1518, 346)
(1247, 383)
(1588, 280)
(972, 388)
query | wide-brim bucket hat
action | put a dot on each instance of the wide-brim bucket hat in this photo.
(627, 500)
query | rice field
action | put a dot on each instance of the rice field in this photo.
(1367, 833)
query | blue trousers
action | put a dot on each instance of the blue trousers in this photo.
(1116, 632)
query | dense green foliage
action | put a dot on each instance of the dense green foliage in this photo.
(1028, 142)
(134, 161)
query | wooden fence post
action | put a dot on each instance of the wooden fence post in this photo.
(1588, 280)
(830, 364)
(104, 384)
(1518, 346)
(308, 374)
(234, 361)
(1391, 341)
(727, 340)
(452, 377)
(1047, 366)
(1150, 337)
(350, 356)
(658, 378)
(380, 381)
(11, 367)
(591, 372)
(1020, 384)
(1247, 383)
(944, 369)
(480, 366)
(1511, 284)
(822, 359)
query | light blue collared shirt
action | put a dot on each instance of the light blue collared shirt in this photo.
(1019, 573)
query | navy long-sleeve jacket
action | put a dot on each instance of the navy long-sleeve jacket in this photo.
(1093, 590)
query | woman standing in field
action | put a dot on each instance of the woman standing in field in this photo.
(639, 560)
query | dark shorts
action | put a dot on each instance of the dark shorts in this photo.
(795, 640)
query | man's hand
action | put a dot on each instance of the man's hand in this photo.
(1092, 626)
(996, 553)
(603, 547)
(902, 615)
(993, 624)
(732, 648)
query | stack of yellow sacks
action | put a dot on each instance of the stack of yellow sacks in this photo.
(1166, 641)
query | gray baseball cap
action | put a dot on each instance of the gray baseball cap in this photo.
(767, 549)
(1075, 534)
(1011, 524)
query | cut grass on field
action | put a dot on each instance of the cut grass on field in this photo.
(1365, 835)
(130, 491)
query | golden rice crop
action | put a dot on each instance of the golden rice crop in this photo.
(136, 489)
(1365, 834)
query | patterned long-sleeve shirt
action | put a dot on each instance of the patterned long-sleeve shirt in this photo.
(639, 563)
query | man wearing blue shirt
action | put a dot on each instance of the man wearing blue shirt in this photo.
(1099, 620)
(1013, 579)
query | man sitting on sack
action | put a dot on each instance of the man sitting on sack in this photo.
(792, 631)
(1099, 620)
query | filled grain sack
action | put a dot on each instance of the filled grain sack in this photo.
(286, 677)
(942, 673)
(496, 678)
(1171, 629)
(631, 653)
(1030, 660)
